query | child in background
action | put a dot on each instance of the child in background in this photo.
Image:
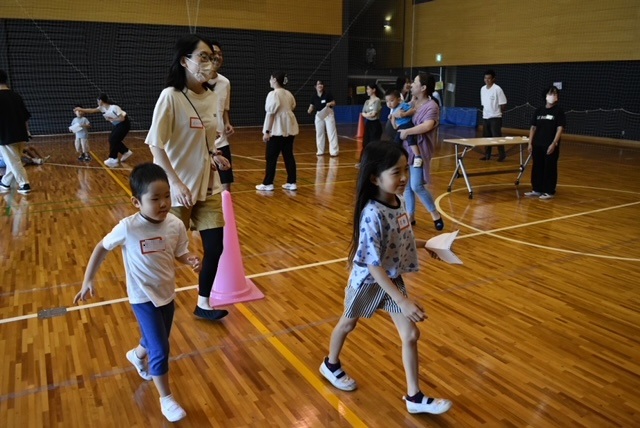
(151, 239)
(383, 247)
(402, 120)
(30, 156)
(79, 126)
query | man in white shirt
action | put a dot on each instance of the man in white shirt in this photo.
(222, 88)
(493, 106)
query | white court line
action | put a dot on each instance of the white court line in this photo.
(480, 232)
(190, 287)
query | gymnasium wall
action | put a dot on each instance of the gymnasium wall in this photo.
(591, 46)
(471, 32)
(56, 64)
(300, 16)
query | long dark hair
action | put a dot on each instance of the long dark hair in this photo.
(378, 157)
(184, 46)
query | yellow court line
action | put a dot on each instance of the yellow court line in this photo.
(311, 377)
(115, 178)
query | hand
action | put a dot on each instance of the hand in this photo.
(221, 162)
(87, 288)
(403, 134)
(398, 114)
(228, 129)
(551, 148)
(529, 148)
(194, 261)
(412, 310)
(432, 254)
(183, 194)
(266, 137)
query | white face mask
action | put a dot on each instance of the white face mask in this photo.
(551, 99)
(204, 72)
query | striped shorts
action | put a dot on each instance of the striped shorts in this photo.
(364, 301)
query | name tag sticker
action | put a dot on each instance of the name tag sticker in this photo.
(403, 221)
(196, 123)
(153, 245)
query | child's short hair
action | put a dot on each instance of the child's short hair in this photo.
(143, 175)
(394, 92)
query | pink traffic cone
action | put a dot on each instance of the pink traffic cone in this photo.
(231, 285)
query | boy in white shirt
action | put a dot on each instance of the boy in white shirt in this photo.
(151, 239)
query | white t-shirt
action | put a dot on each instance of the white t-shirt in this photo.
(492, 98)
(149, 251)
(112, 112)
(281, 104)
(177, 129)
(223, 91)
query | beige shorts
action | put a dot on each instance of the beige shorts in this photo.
(203, 215)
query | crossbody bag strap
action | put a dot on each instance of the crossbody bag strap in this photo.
(206, 139)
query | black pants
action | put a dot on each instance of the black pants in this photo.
(372, 132)
(544, 171)
(116, 139)
(493, 128)
(275, 145)
(212, 245)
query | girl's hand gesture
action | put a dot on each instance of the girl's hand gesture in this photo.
(183, 194)
(412, 310)
(87, 288)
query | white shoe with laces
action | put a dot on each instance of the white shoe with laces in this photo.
(171, 409)
(532, 193)
(290, 186)
(111, 162)
(126, 156)
(417, 162)
(265, 187)
(545, 196)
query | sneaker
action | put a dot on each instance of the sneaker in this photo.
(25, 189)
(210, 314)
(532, 193)
(38, 161)
(81, 157)
(111, 163)
(439, 224)
(334, 155)
(171, 409)
(319, 154)
(435, 406)
(544, 196)
(139, 364)
(86, 158)
(265, 187)
(417, 162)
(290, 186)
(46, 158)
(126, 156)
(4, 188)
(339, 378)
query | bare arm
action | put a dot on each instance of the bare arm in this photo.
(97, 257)
(182, 192)
(532, 132)
(191, 260)
(269, 119)
(423, 128)
(556, 139)
(310, 109)
(87, 110)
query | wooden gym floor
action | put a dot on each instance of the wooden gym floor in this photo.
(539, 327)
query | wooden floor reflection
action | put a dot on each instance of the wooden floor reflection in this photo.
(539, 327)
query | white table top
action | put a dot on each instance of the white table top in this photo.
(484, 142)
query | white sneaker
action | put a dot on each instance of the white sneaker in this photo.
(112, 163)
(546, 196)
(532, 193)
(139, 364)
(436, 407)
(171, 409)
(265, 187)
(417, 162)
(290, 186)
(126, 156)
(339, 378)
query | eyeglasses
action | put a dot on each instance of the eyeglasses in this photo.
(204, 57)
